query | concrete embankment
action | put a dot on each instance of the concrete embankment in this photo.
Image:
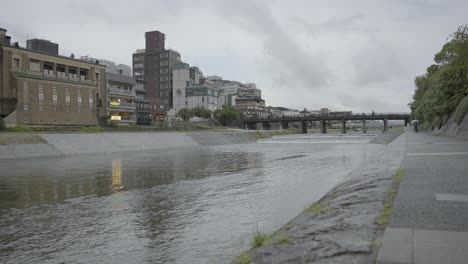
(452, 129)
(16, 146)
(342, 226)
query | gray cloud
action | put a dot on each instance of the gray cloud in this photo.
(287, 57)
(355, 55)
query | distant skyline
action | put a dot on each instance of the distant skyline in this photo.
(344, 55)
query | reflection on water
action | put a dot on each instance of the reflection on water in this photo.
(117, 175)
(196, 205)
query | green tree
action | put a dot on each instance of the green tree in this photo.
(227, 115)
(202, 112)
(185, 114)
(445, 84)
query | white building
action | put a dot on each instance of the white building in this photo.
(192, 89)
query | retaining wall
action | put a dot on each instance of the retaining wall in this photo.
(452, 129)
(69, 144)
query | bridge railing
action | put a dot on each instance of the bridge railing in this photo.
(295, 118)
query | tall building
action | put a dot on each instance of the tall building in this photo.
(43, 45)
(154, 66)
(37, 88)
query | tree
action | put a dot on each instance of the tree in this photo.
(445, 84)
(202, 112)
(227, 115)
(185, 114)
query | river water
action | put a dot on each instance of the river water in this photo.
(193, 205)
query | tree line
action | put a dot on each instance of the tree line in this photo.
(226, 116)
(442, 90)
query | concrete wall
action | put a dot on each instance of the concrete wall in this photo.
(69, 144)
(452, 129)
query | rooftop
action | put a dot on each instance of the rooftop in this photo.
(121, 78)
(52, 55)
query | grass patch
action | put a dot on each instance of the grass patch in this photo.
(376, 244)
(20, 129)
(387, 211)
(461, 110)
(243, 258)
(259, 239)
(318, 209)
(283, 239)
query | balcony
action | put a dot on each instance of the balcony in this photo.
(122, 105)
(121, 91)
(65, 76)
(139, 88)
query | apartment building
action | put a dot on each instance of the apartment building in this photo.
(154, 65)
(121, 97)
(38, 88)
(252, 107)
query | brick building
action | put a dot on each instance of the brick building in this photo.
(37, 88)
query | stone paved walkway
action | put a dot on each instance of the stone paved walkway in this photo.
(430, 217)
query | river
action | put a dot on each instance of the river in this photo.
(192, 205)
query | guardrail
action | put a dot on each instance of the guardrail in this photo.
(299, 118)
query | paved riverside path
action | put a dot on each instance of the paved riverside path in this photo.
(430, 215)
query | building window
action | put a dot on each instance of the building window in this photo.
(25, 96)
(78, 92)
(16, 63)
(34, 65)
(67, 100)
(90, 101)
(40, 94)
(54, 98)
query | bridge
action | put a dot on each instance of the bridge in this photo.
(253, 122)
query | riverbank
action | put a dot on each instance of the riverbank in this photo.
(22, 145)
(342, 227)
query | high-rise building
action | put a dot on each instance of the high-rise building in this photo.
(154, 66)
(42, 45)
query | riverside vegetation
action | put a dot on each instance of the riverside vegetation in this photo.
(442, 91)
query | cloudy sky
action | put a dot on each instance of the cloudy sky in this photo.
(344, 55)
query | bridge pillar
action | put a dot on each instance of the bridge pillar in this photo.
(385, 125)
(323, 126)
(304, 127)
(266, 126)
(344, 126)
(364, 128)
(284, 125)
